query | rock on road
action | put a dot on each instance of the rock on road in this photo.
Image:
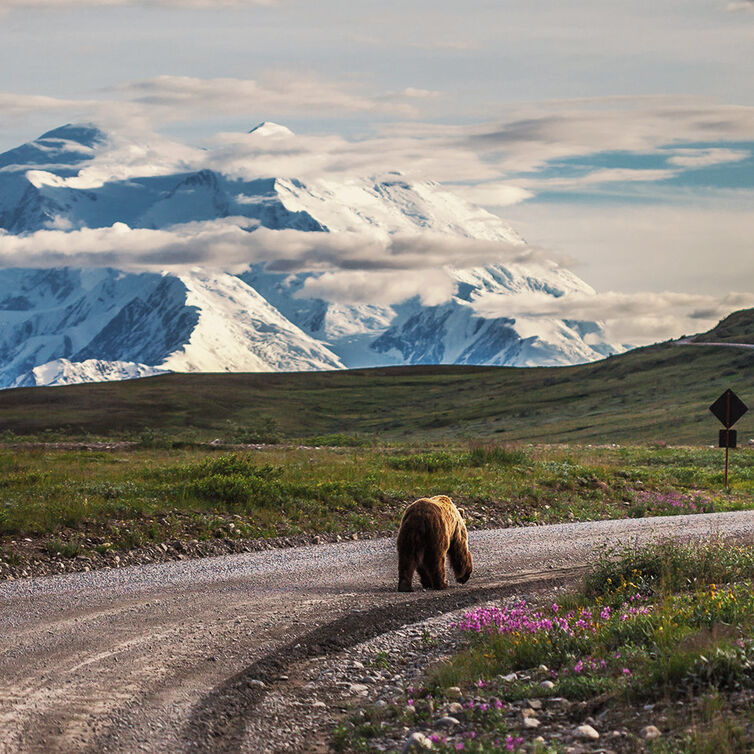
(169, 657)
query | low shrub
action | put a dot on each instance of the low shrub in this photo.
(496, 455)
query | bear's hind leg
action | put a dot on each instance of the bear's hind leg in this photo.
(435, 566)
(460, 558)
(406, 568)
(424, 577)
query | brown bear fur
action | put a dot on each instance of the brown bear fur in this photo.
(431, 529)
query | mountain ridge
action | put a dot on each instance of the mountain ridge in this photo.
(272, 320)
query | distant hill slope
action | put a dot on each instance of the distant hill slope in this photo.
(660, 393)
(736, 328)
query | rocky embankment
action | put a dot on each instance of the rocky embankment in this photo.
(327, 703)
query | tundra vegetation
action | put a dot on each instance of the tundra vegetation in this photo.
(659, 636)
(72, 503)
(659, 392)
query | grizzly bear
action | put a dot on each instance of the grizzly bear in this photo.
(431, 529)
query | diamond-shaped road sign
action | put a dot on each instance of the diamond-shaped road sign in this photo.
(728, 408)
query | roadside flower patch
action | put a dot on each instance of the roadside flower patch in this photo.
(673, 502)
(572, 642)
(657, 633)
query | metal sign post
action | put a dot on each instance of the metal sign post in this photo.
(728, 408)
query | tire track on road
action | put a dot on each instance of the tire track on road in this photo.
(160, 657)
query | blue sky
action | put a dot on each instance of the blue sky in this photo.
(617, 135)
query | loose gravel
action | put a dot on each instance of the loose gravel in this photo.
(166, 656)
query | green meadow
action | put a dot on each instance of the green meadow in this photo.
(659, 393)
(344, 451)
(127, 498)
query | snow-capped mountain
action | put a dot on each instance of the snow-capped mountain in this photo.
(450, 333)
(69, 324)
(44, 185)
(64, 325)
(65, 372)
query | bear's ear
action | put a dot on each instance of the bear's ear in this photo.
(462, 512)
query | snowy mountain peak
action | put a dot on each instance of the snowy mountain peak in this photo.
(86, 134)
(268, 128)
(60, 151)
(72, 325)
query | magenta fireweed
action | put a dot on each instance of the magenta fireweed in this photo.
(512, 743)
(521, 619)
(545, 631)
(674, 502)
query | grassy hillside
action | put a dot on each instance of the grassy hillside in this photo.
(656, 393)
(736, 328)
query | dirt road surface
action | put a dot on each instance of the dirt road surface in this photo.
(169, 657)
(692, 342)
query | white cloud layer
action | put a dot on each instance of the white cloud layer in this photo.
(703, 158)
(224, 244)
(635, 318)
(15, 106)
(699, 243)
(741, 5)
(598, 177)
(485, 157)
(146, 104)
(493, 194)
(433, 286)
(560, 130)
(171, 98)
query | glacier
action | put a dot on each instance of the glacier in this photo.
(70, 324)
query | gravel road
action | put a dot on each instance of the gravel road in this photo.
(690, 342)
(177, 656)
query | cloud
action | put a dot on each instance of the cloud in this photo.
(314, 156)
(226, 245)
(432, 286)
(636, 318)
(14, 106)
(127, 248)
(699, 241)
(177, 97)
(493, 194)
(291, 250)
(702, 158)
(146, 104)
(491, 156)
(498, 161)
(740, 5)
(415, 93)
(598, 177)
(543, 133)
